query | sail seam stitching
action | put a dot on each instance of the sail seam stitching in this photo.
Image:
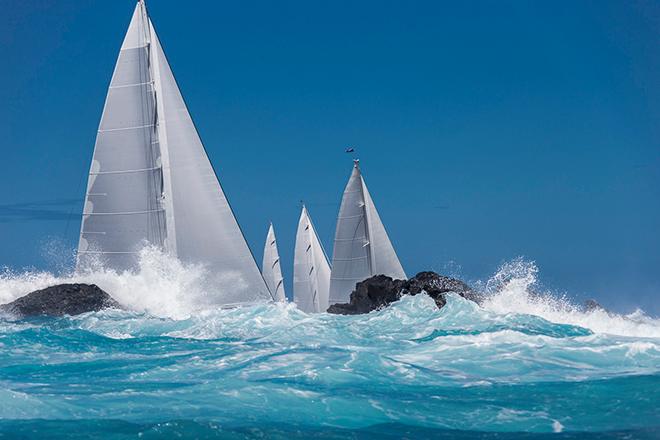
(122, 213)
(132, 48)
(126, 128)
(131, 85)
(124, 171)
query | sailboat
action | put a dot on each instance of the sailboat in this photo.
(271, 268)
(362, 248)
(151, 181)
(311, 271)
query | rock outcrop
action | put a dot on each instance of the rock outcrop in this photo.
(60, 300)
(380, 291)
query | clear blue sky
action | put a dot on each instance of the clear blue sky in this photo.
(486, 130)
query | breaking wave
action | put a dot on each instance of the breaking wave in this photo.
(161, 286)
(522, 361)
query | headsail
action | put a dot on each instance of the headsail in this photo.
(311, 271)
(271, 267)
(152, 182)
(201, 219)
(362, 248)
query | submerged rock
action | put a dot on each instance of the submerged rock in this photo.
(60, 300)
(380, 291)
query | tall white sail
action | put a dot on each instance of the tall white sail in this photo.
(362, 248)
(151, 180)
(311, 271)
(123, 205)
(271, 267)
(201, 220)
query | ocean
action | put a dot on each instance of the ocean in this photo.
(526, 364)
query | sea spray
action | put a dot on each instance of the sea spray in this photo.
(523, 360)
(514, 289)
(161, 285)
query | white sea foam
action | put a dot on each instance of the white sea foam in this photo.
(164, 287)
(514, 289)
(161, 286)
(494, 367)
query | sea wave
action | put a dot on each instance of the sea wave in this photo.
(524, 360)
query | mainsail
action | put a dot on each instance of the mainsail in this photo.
(311, 271)
(151, 181)
(362, 248)
(271, 267)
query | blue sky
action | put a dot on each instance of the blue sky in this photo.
(486, 130)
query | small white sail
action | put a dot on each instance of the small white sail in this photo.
(311, 271)
(362, 248)
(152, 182)
(271, 267)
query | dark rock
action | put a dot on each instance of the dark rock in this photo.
(380, 290)
(60, 300)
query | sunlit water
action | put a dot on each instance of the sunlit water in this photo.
(176, 367)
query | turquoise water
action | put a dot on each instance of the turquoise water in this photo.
(271, 371)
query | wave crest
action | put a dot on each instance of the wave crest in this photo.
(164, 287)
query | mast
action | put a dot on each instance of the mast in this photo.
(169, 243)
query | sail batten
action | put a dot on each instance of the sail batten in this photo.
(362, 247)
(271, 269)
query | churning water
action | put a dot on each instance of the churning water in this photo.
(523, 365)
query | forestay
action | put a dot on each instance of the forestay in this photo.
(362, 247)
